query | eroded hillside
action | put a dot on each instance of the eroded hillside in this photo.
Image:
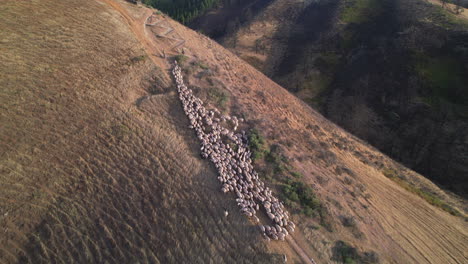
(98, 163)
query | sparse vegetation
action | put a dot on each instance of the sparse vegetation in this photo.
(344, 170)
(429, 197)
(297, 175)
(325, 155)
(296, 194)
(301, 197)
(138, 59)
(120, 131)
(348, 254)
(276, 159)
(218, 96)
(348, 181)
(360, 11)
(257, 145)
(348, 221)
(202, 65)
(296, 191)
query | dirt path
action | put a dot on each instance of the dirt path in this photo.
(299, 250)
(138, 28)
(161, 23)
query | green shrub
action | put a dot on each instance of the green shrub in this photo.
(429, 197)
(295, 194)
(218, 96)
(348, 221)
(298, 192)
(297, 175)
(390, 173)
(277, 160)
(202, 65)
(257, 145)
(138, 59)
(181, 59)
(309, 212)
(346, 253)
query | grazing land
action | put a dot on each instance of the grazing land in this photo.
(98, 163)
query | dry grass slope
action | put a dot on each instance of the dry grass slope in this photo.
(98, 165)
(87, 174)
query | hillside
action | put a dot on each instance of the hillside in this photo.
(98, 163)
(392, 73)
(87, 174)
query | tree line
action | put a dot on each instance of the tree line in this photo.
(182, 10)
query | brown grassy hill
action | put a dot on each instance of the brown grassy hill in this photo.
(98, 165)
(87, 175)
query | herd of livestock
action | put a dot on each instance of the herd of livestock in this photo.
(231, 156)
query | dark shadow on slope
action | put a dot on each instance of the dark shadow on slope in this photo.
(218, 22)
(316, 19)
(389, 78)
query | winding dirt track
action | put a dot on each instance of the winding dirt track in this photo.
(138, 28)
(299, 251)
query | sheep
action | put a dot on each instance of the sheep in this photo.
(235, 170)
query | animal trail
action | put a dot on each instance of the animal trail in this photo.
(159, 23)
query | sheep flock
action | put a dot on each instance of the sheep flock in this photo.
(231, 156)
